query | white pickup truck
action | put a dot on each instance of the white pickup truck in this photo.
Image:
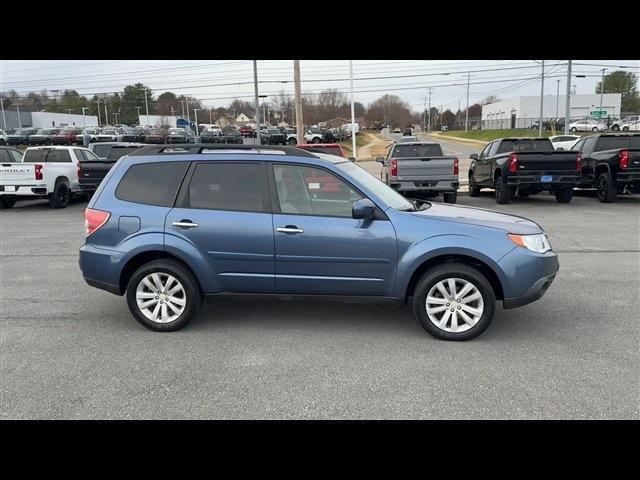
(45, 172)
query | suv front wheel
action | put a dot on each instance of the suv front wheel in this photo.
(163, 295)
(454, 301)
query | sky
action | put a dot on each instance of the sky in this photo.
(217, 83)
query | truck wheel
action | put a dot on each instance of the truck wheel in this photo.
(574, 129)
(454, 301)
(8, 201)
(292, 141)
(163, 295)
(450, 197)
(315, 140)
(564, 196)
(606, 188)
(60, 196)
(503, 194)
(474, 190)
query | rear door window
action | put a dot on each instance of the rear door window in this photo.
(152, 183)
(59, 156)
(224, 186)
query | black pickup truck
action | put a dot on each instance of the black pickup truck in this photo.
(524, 166)
(92, 171)
(610, 163)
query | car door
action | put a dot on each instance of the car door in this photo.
(319, 247)
(223, 210)
(482, 165)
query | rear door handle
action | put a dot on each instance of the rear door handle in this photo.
(289, 229)
(185, 224)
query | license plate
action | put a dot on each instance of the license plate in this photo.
(9, 189)
(546, 178)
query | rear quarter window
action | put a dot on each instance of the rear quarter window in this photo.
(152, 183)
(611, 143)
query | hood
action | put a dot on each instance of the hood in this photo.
(480, 217)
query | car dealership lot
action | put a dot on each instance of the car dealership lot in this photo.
(70, 351)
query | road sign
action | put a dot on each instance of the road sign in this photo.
(598, 113)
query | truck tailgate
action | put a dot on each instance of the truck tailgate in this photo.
(418, 168)
(546, 161)
(17, 173)
(94, 171)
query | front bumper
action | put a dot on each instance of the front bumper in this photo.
(529, 275)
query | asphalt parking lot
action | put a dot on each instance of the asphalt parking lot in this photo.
(69, 351)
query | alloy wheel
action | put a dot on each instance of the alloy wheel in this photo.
(454, 305)
(161, 297)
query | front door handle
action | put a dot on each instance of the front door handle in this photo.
(289, 229)
(185, 224)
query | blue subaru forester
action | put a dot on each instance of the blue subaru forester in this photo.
(171, 224)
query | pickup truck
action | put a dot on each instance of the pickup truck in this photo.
(523, 166)
(273, 137)
(247, 131)
(610, 163)
(67, 136)
(93, 168)
(44, 172)
(420, 167)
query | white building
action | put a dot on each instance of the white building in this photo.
(157, 120)
(48, 119)
(521, 112)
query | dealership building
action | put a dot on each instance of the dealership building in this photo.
(521, 112)
(15, 119)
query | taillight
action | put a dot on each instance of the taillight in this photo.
(455, 165)
(94, 219)
(513, 162)
(79, 170)
(624, 159)
(579, 162)
(38, 168)
(394, 167)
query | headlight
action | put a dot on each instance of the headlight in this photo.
(536, 243)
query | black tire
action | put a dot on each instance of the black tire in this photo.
(503, 194)
(450, 197)
(573, 129)
(606, 188)
(60, 196)
(474, 190)
(315, 140)
(292, 141)
(624, 129)
(453, 270)
(564, 196)
(193, 297)
(8, 201)
(2, 142)
(615, 128)
(594, 129)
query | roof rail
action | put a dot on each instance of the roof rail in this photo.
(190, 148)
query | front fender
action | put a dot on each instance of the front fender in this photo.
(488, 253)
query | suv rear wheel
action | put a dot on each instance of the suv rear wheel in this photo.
(163, 295)
(454, 301)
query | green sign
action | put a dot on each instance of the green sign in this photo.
(598, 113)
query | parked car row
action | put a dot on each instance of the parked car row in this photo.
(608, 162)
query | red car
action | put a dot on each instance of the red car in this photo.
(325, 183)
(66, 136)
(329, 148)
(247, 131)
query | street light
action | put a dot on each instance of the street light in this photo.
(138, 108)
(264, 118)
(601, 90)
(195, 112)
(84, 118)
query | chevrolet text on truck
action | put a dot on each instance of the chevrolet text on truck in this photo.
(171, 224)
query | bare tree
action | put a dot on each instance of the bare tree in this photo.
(388, 110)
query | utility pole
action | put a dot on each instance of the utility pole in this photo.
(187, 103)
(567, 100)
(146, 104)
(429, 110)
(195, 112)
(353, 112)
(541, 101)
(602, 91)
(106, 114)
(298, 102)
(466, 121)
(115, 114)
(210, 117)
(182, 103)
(557, 97)
(257, 100)
(99, 120)
(19, 119)
(138, 109)
(84, 118)
(4, 119)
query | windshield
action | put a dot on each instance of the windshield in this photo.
(613, 143)
(424, 150)
(176, 130)
(384, 192)
(109, 131)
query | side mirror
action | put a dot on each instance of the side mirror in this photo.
(363, 208)
(473, 156)
(380, 159)
(353, 159)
